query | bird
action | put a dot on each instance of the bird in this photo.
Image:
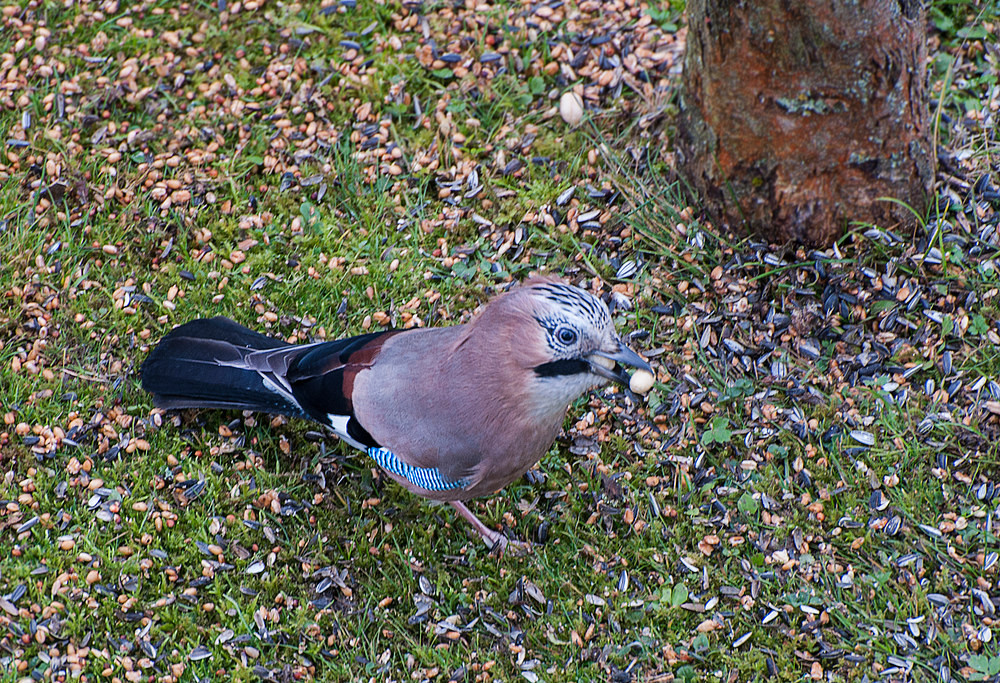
(451, 413)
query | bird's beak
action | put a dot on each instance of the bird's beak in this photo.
(610, 364)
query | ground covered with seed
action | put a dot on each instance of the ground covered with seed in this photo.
(808, 492)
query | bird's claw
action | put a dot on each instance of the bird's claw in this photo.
(494, 540)
(500, 544)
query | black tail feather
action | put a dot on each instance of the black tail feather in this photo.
(183, 371)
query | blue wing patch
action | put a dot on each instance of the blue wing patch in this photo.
(428, 478)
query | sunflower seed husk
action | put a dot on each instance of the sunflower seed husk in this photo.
(930, 531)
(199, 653)
(565, 196)
(863, 437)
(426, 587)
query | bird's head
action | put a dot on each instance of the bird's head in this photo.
(566, 339)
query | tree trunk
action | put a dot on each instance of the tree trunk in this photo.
(798, 118)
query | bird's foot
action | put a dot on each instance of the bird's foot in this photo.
(500, 544)
(494, 540)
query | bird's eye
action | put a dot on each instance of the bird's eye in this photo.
(566, 335)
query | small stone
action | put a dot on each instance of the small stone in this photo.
(571, 108)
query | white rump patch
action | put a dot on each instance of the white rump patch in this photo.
(339, 425)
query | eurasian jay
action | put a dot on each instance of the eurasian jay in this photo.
(450, 413)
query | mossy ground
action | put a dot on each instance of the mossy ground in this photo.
(310, 171)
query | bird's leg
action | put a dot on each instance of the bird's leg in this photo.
(493, 539)
(490, 537)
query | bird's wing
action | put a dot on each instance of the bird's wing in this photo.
(319, 378)
(322, 381)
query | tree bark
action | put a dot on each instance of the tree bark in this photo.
(799, 117)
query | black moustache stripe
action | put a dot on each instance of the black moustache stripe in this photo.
(560, 368)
